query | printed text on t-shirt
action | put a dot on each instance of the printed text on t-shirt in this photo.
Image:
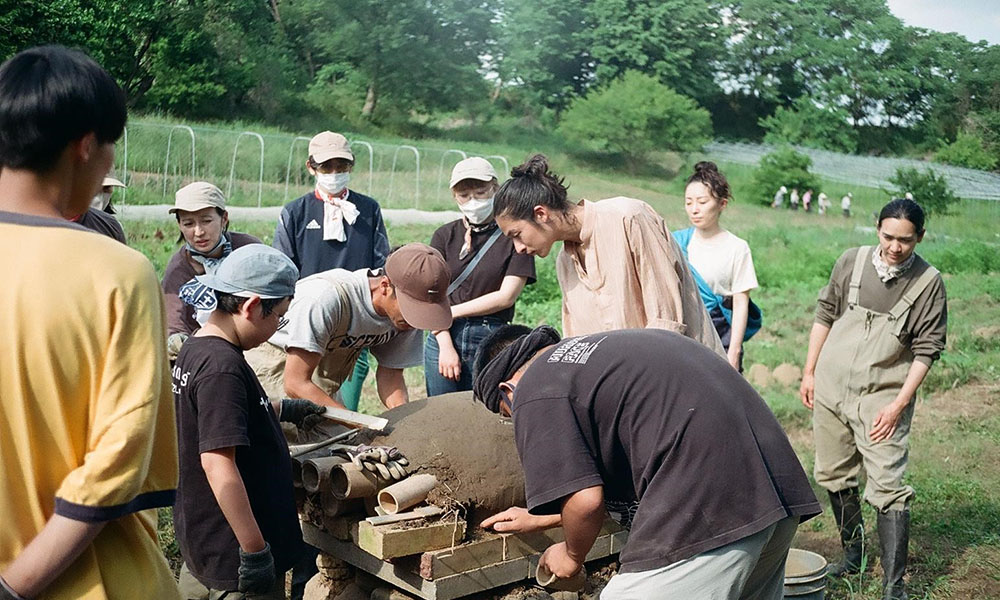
(574, 351)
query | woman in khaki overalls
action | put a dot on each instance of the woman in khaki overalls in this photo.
(880, 324)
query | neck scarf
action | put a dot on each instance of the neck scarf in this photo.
(211, 264)
(887, 272)
(486, 388)
(336, 210)
(469, 230)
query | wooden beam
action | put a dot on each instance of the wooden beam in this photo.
(355, 419)
(391, 541)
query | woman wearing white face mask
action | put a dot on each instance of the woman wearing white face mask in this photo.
(333, 227)
(487, 277)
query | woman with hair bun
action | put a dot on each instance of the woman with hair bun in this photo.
(880, 324)
(720, 262)
(619, 268)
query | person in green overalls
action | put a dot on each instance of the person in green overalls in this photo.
(880, 325)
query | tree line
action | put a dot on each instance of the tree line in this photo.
(837, 74)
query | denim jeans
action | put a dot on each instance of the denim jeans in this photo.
(466, 334)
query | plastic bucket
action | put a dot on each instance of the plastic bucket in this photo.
(805, 575)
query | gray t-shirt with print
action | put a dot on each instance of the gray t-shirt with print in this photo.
(316, 313)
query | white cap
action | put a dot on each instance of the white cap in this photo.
(329, 145)
(198, 195)
(476, 168)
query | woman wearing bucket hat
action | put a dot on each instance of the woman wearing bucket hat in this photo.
(487, 277)
(200, 209)
(619, 268)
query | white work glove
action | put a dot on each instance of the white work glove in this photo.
(174, 343)
(385, 461)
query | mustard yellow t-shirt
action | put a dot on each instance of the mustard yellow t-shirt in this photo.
(86, 415)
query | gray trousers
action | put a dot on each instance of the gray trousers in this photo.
(752, 568)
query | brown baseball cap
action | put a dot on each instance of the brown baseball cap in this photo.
(476, 168)
(327, 145)
(421, 277)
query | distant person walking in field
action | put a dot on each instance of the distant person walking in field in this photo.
(793, 199)
(87, 433)
(880, 325)
(822, 203)
(779, 197)
(200, 209)
(487, 276)
(807, 200)
(720, 262)
(99, 217)
(334, 227)
(619, 267)
(845, 204)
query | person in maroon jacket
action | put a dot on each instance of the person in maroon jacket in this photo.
(200, 208)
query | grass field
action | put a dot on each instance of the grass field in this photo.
(955, 458)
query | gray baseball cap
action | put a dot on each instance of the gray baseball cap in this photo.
(254, 270)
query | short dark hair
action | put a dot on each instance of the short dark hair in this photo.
(230, 304)
(903, 208)
(708, 173)
(531, 184)
(494, 344)
(49, 97)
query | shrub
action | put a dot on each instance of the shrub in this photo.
(929, 189)
(806, 124)
(968, 150)
(634, 115)
(782, 167)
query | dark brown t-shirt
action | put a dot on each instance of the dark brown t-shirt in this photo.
(500, 261)
(103, 223)
(658, 418)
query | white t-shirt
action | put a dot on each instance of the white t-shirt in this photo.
(314, 319)
(724, 262)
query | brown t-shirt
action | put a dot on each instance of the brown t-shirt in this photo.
(103, 223)
(927, 323)
(500, 261)
(658, 418)
(180, 270)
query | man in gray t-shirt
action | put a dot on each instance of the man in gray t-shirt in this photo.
(337, 313)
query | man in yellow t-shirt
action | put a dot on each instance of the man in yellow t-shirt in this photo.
(87, 437)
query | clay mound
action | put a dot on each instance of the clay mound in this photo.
(787, 374)
(469, 449)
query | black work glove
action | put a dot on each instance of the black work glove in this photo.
(256, 571)
(295, 410)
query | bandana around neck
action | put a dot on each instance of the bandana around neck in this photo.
(336, 210)
(887, 272)
(211, 264)
(469, 230)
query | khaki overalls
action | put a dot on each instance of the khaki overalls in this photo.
(860, 370)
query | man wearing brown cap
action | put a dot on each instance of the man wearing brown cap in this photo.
(338, 313)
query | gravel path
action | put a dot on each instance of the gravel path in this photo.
(396, 216)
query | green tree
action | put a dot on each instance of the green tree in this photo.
(634, 115)
(415, 55)
(929, 189)
(809, 125)
(677, 41)
(782, 167)
(968, 150)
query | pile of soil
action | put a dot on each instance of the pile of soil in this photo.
(469, 449)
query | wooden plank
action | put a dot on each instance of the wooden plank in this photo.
(389, 541)
(355, 419)
(417, 513)
(480, 580)
(494, 548)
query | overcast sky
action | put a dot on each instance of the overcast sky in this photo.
(975, 19)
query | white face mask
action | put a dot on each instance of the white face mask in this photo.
(332, 183)
(101, 201)
(477, 210)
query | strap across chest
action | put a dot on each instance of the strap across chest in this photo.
(898, 312)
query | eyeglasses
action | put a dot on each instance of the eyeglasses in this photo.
(282, 321)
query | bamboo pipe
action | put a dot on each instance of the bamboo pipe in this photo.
(547, 579)
(316, 472)
(348, 480)
(401, 496)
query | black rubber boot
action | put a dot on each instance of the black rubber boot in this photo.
(846, 506)
(894, 538)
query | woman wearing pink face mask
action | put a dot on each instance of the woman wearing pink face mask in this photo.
(487, 277)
